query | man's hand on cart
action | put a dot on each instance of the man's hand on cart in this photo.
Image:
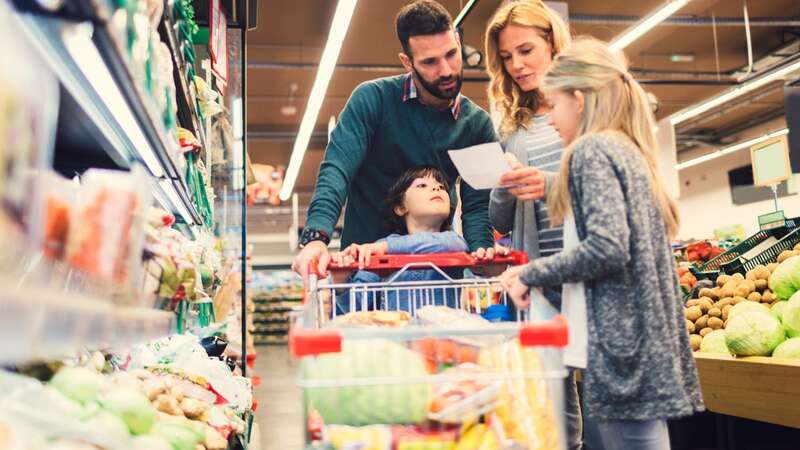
(315, 253)
(515, 288)
(361, 253)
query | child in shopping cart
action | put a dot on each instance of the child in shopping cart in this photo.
(420, 213)
(617, 263)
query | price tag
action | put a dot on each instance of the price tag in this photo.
(772, 220)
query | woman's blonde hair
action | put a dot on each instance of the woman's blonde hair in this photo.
(517, 106)
(613, 101)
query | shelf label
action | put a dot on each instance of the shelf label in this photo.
(772, 220)
(218, 40)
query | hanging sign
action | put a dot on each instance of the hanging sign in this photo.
(218, 41)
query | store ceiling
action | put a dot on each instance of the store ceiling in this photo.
(287, 44)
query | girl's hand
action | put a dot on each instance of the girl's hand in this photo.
(363, 252)
(516, 289)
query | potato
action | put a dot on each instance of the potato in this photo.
(693, 313)
(761, 285)
(693, 302)
(718, 292)
(705, 304)
(192, 408)
(168, 404)
(796, 247)
(771, 267)
(767, 296)
(725, 310)
(737, 300)
(722, 280)
(738, 277)
(715, 323)
(714, 312)
(695, 341)
(762, 272)
(786, 254)
(690, 326)
(725, 302)
(701, 323)
(743, 290)
(707, 292)
(705, 331)
(754, 297)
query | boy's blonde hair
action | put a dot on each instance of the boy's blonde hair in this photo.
(517, 106)
(614, 101)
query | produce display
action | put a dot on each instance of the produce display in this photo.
(748, 315)
(190, 401)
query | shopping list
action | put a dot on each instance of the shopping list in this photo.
(481, 166)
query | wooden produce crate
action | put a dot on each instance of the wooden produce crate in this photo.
(756, 388)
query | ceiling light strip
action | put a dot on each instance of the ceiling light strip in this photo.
(748, 86)
(341, 22)
(646, 24)
(731, 149)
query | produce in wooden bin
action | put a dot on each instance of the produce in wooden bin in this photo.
(789, 349)
(785, 280)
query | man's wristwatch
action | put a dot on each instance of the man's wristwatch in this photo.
(310, 235)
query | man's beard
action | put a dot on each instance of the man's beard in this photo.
(434, 88)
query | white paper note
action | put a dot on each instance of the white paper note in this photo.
(481, 166)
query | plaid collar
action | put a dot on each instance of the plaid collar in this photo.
(410, 93)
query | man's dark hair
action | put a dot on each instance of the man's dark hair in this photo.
(397, 195)
(421, 18)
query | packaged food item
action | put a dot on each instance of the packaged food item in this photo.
(371, 437)
(468, 393)
(480, 298)
(424, 438)
(524, 406)
(105, 238)
(441, 354)
(51, 216)
(389, 319)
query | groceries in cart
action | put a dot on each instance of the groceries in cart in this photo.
(433, 376)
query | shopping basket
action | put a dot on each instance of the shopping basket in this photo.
(400, 378)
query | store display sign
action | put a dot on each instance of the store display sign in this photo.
(772, 220)
(218, 40)
(771, 162)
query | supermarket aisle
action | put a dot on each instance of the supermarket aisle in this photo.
(280, 411)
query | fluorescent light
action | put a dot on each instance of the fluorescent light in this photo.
(646, 24)
(176, 204)
(755, 83)
(731, 149)
(341, 22)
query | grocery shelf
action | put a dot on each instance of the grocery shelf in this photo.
(756, 388)
(41, 323)
(92, 69)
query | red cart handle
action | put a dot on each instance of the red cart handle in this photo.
(390, 263)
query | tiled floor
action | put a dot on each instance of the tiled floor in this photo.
(280, 408)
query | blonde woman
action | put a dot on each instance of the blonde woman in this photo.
(610, 195)
(521, 40)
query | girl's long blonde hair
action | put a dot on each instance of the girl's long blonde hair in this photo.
(517, 106)
(614, 101)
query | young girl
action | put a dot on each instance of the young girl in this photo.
(419, 212)
(610, 196)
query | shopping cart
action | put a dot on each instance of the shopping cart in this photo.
(428, 374)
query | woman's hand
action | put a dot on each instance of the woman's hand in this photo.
(525, 183)
(361, 253)
(515, 288)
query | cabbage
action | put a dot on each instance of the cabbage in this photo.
(78, 383)
(109, 425)
(150, 442)
(132, 407)
(345, 402)
(778, 308)
(748, 307)
(753, 334)
(790, 349)
(181, 435)
(785, 281)
(790, 316)
(714, 342)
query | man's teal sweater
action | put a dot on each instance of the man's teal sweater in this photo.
(378, 137)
